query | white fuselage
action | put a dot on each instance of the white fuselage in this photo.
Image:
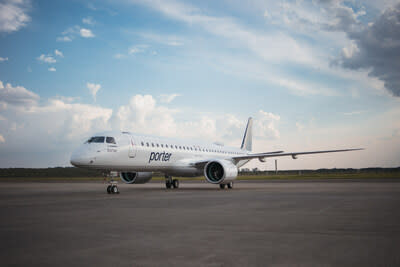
(127, 152)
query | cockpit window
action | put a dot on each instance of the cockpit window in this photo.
(96, 139)
(110, 140)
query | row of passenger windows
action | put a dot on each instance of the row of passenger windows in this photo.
(185, 148)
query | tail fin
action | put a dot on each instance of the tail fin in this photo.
(247, 138)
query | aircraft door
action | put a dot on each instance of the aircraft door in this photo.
(132, 149)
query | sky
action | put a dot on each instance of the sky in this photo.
(314, 75)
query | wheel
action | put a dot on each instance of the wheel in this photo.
(222, 186)
(115, 189)
(175, 183)
(168, 184)
(230, 185)
(109, 189)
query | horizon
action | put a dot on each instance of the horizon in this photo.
(314, 75)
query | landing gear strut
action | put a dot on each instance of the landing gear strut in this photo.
(112, 188)
(171, 183)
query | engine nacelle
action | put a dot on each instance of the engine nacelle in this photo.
(136, 177)
(220, 171)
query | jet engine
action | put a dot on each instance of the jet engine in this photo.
(136, 177)
(220, 171)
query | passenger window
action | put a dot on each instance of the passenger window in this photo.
(162, 145)
(180, 147)
(152, 144)
(147, 144)
(142, 144)
(157, 145)
(166, 146)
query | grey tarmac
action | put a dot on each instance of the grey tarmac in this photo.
(263, 223)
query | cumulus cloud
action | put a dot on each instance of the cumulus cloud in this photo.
(47, 59)
(64, 39)
(314, 15)
(93, 88)
(52, 69)
(3, 59)
(165, 98)
(58, 53)
(17, 96)
(63, 123)
(265, 125)
(88, 20)
(14, 15)
(86, 33)
(378, 49)
(137, 49)
(72, 32)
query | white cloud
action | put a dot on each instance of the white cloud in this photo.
(88, 20)
(299, 126)
(86, 33)
(47, 59)
(58, 53)
(13, 15)
(3, 59)
(171, 40)
(270, 46)
(64, 39)
(17, 96)
(119, 56)
(93, 88)
(2, 140)
(137, 49)
(165, 98)
(72, 32)
(265, 125)
(52, 69)
(350, 50)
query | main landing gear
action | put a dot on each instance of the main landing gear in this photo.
(112, 188)
(171, 183)
(229, 185)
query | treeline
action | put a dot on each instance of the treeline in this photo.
(255, 171)
(49, 172)
(78, 172)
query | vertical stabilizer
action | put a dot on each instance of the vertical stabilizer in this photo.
(248, 134)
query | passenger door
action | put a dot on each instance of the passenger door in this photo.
(132, 149)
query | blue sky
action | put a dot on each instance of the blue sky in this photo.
(313, 74)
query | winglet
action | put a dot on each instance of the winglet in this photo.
(247, 138)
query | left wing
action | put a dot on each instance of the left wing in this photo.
(294, 155)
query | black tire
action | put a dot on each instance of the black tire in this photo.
(168, 184)
(114, 190)
(222, 186)
(230, 185)
(175, 183)
(109, 189)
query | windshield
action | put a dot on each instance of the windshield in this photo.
(95, 139)
(110, 140)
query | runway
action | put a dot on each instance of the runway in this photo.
(302, 223)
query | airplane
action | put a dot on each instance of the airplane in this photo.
(137, 156)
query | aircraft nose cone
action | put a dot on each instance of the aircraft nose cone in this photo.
(79, 159)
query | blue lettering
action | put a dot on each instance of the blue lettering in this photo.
(159, 156)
